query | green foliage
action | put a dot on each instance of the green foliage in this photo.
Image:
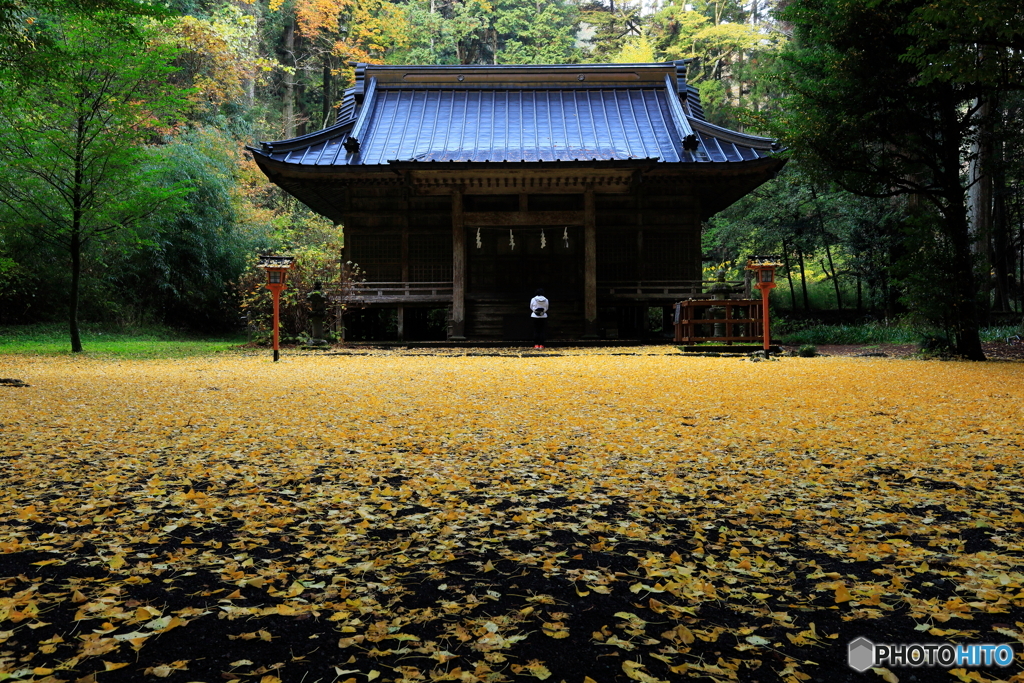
(612, 27)
(479, 32)
(817, 333)
(636, 50)
(316, 247)
(861, 109)
(935, 345)
(807, 351)
(78, 171)
(727, 44)
(829, 240)
(180, 274)
(113, 341)
(980, 41)
(24, 36)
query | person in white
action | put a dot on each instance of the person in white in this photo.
(539, 306)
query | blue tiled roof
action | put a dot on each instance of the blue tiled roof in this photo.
(601, 116)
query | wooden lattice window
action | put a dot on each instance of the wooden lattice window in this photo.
(616, 256)
(379, 256)
(668, 256)
(430, 258)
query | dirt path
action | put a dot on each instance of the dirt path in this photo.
(993, 350)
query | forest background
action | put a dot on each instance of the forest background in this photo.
(126, 194)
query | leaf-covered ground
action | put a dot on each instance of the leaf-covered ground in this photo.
(582, 516)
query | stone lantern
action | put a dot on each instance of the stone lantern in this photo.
(277, 268)
(764, 271)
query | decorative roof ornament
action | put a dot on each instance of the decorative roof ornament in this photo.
(274, 261)
(755, 261)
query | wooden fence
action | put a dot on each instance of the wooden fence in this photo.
(741, 318)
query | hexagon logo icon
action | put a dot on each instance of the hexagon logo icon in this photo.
(861, 655)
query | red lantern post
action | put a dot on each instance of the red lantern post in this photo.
(764, 269)
(277, 268)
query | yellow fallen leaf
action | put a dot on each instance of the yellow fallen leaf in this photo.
(538, 670)
(887, 676)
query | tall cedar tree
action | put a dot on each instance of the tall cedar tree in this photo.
(858, 110)
(76, 164)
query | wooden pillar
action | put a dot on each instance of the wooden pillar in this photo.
(639, 256)
(458, 329)
(589, 266)
(405, 272)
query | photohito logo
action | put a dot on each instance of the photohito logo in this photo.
(863, 654)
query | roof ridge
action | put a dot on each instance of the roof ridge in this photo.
(733, 136)
(307, 139)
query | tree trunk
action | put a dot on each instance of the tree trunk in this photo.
(803, 278)
(75, 243)
(828, 250)
(1002, 245)
(288, 111)
(835, 276)
(789, 275)
(964, 281)
(76, 277)
(979, 194)
(327, 95)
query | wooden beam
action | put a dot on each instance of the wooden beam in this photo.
(518, 180)
(458, 331)
(514, 218)
(589, 265)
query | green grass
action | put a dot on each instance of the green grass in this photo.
(113, 342)
(874, 333)
(852, 334)
(1001, 333)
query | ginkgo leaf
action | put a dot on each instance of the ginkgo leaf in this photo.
(538, 670)
(887, 676)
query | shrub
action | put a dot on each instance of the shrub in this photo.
(935, 345)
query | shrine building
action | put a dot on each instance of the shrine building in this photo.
(467, 188)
